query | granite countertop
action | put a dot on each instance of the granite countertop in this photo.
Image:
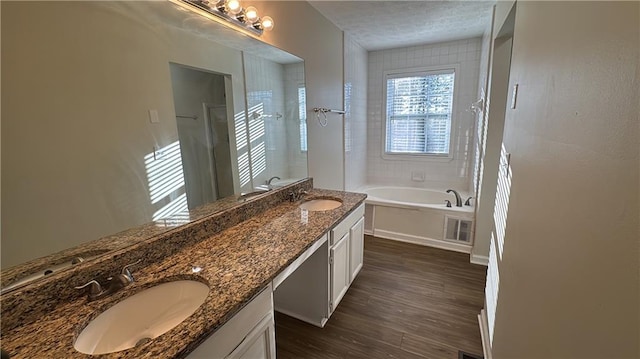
(116, 241)
(236, 263)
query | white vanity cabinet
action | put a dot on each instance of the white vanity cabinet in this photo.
(345, 254)
(250, 334)
(313, 285)
(356, 249)
(339, 268)
(260, 343)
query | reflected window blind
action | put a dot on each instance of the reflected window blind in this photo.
(419, 109)
(347, 117)
(302, 114)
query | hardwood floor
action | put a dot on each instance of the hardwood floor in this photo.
(408, 301)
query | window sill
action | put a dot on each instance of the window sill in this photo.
(417, 157)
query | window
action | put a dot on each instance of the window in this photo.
(347, 117)
(302, 114)
(419, 106)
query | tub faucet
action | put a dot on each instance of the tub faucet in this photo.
(271, 179)
(458, 198)
(114, 284)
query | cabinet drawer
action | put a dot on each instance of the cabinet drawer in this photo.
(343, 227)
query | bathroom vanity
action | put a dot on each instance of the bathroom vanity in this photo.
(251, 334)
(263, 255)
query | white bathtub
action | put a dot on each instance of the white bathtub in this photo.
(419, 216)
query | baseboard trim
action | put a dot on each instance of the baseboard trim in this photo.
(484, 334)
(424, 241)
(478, 259)
(303, 318)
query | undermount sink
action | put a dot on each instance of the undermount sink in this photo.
(142, 317)
(320, 204)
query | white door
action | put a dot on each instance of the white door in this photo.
(339, 262)
(356, 249)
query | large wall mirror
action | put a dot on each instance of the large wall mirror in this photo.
(121, 120)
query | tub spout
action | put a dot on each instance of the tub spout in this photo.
(271, 179)
(458, 198)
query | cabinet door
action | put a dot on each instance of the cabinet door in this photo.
(259, 343)
(339, 262)
(356, 249)
(240, 333)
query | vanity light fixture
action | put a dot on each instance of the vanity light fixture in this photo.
(233, 12)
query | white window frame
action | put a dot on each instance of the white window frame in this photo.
(421, 71)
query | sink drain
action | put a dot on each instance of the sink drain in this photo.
(143, 341)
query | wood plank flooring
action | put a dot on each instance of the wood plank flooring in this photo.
(408, 301)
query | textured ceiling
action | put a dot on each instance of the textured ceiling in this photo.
(377, 25)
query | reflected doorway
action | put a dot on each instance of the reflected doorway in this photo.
(202, 122)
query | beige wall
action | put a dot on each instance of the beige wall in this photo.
(569, 279)
(496, 104)
(303, 31)
(480, 251)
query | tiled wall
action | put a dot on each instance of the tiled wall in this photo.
(297, 159)
(355, 120)
(265, 98)
(438, 174)
(481, 116)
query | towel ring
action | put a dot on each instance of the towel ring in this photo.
(320, 122)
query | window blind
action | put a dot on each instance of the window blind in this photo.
(347, 117)
(418, 117)
(302, 114)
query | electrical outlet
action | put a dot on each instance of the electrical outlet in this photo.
(417, 176)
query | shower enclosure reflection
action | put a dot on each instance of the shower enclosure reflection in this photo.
(203, 131)
(222, 157)
(277, 119)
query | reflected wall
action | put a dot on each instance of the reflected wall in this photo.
(277, 119)
(83, 115)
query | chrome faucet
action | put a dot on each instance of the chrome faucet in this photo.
(294, 196)
(271, 179)
(96, 291)
(458, 198)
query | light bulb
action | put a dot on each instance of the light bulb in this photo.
(267, 23)
(251, 14)
(233, 6)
